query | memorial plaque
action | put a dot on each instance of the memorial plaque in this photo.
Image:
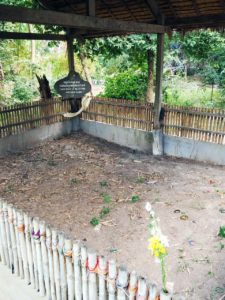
(72, 86)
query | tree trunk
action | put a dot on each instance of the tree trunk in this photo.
(33, 45)
(150, 93)
(44, 88)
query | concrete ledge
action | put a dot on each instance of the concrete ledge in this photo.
(192, 149)
(19, 142)
(132, 138)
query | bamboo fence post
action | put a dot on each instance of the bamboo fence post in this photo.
(2, 241)
(34, 255)
(50, 261)
(13, 239)
(62, 266)
(102, 273)
(111, 280)
(142, 292)
(15, 220)
(92, 278)
(153, 292)
(21, 229)
(69, 268)
(36, 236)
(122, 283)
(77, 271)
(45, 258)
(84, 273)
(133, 286)
(56, 264)
(29, 249)
(7, 230)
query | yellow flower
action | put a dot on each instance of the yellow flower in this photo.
(156, 247)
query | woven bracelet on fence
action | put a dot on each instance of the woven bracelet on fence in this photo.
(36, 235)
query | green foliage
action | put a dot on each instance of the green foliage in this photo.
(106, 198)
(103, 183)
(128, 85)
(104, 211)
(135, 199)
(221, 232)
(94, 221)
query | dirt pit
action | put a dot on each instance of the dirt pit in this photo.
(68, 182)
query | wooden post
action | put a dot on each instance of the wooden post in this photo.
(84, 272)
(92, 278)
(56, 264)
(50, 261)
(2, 242)
(36, 236)
(77, 271)
(27, 222)
(142, 289)
(153, 292)
(102, 272)
(68, 253)
(62, 266)
(159, 76)
(45, 258)
(133, 286)
(7, 230)
(122, 283)
(111, 280)
(15, 221)
(34, 255)
(70, 53)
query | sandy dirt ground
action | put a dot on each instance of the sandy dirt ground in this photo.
(68, 182)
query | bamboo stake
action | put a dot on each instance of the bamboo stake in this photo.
(2, 241)
(29, 249)
(102, 272)
(8, 238)
(50, 261)
(21, 271)
(45, 258)
(62, 266)
(122, 283)
(84, 273)
(77, 271)
(153, 293)
(69, 268)
(133, 285)
(20, 228)
(92, 278)
(36, 236)
(13, 239)
(56, 264)
(142, 289)
(111, 280)
(34, 255)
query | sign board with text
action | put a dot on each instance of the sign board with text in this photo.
(72, 86)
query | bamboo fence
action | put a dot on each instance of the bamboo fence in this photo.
(16, 119)
(60, 268)
(189, 122)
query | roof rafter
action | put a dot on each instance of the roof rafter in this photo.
(153, 5)
(32, 16)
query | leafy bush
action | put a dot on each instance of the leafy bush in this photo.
(23, 91)
(130, 85)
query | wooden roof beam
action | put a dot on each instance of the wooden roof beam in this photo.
(47, 17)
(32, 36)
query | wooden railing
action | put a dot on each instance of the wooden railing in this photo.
(196, 123)
(19, 118)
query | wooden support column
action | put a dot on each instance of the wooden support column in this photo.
(70, 52)
(159, 76)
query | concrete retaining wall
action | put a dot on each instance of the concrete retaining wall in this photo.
(132, 138)
(128, 137)
(16, 143)
(192, 149)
